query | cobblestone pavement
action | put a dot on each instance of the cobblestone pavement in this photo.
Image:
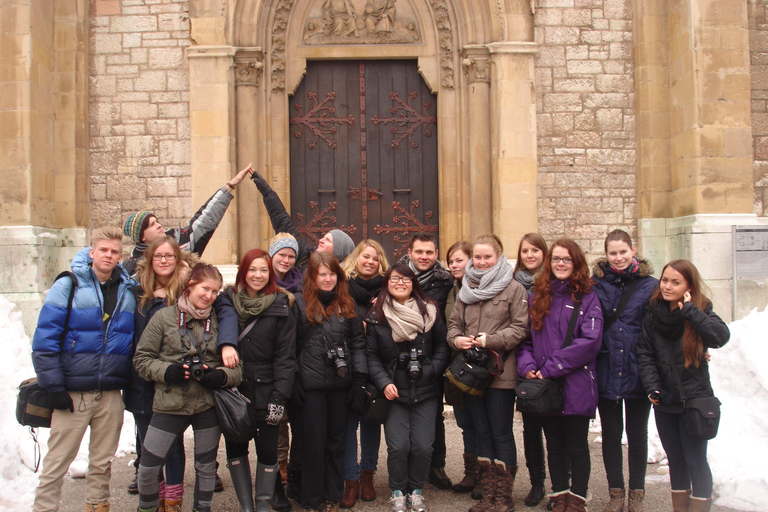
(657, 486)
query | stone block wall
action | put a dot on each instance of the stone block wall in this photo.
(758, 48)
(585, 120)
(139, 110)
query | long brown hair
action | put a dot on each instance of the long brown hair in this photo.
(148, 279)
(693, 348)
(580, 282)
(242, 270)
(342, 302)
(535, 240)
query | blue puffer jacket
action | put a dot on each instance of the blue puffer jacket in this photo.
(617, 371)
(86, 360)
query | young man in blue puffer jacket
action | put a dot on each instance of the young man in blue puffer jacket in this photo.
(83, 365)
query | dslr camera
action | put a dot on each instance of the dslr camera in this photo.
(476, 355)
(338, 357)
(411, 361)
(196, 370)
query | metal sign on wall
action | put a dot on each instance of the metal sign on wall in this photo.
(750, 255)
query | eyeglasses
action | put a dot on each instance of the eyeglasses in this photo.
(168, 257)
(557, 260)
(397, 279)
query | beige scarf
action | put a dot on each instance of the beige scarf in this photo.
(406, 321)
(186, 306)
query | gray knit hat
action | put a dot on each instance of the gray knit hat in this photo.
(282, 243)
(342, 244)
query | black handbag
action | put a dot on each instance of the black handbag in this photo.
(376, 405)
(232, 411)
(32, 405)
(539, 396)
(473, 370)
(702, 415)
(545, 396)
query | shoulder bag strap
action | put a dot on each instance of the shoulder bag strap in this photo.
(675, 373)
(69, 301)
(248, 328)
(622, 303)
(572, 323)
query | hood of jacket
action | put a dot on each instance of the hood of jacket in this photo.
(602, 270)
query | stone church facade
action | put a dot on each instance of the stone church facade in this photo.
(567, 117)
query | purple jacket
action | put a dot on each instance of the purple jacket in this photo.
(574, 365)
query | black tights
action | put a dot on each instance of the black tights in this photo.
(637, 411)
(266, 444)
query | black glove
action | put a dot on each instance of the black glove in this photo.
(213, 379)
(357, 396)
(275, 412)
(261, 183)
(176, 374)
(61, 400)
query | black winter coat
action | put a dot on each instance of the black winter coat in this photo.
(617, 371)
(383, 360)
(656, 365)
(316, 371)
(268, 353)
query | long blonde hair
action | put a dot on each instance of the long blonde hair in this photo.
(349, 265)
(176, 282)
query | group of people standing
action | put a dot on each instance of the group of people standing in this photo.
(304, 332)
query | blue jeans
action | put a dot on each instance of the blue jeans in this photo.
(688, 466)
(176, 459)
(464, 422)
(493, 416)
(370, 438)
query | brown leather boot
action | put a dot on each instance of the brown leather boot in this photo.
(700, 504)
(559, 501)
(367, 490)
(173, 505)
(681, 500)
(576, 503)
(616, 501)
(505, 482)
(351, 493)
(635, 500)
(469, 481)
(98, 507)
(487, 484)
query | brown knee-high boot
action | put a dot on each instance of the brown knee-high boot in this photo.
(505, 481)
(488, 485)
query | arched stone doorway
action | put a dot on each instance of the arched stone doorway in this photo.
(475, 56)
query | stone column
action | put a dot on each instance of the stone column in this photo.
(513, 141)
(212, 135)
(477, 71)
(693, 105)
(249, 67)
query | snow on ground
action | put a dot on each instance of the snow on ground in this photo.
(737, 456)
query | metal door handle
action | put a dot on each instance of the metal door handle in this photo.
(332, 191)
(401, 190)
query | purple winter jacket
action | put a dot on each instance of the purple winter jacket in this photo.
(574, 365)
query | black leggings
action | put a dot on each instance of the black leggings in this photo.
(637, 411)
(266, 444)
(568, 450)
(161, 434)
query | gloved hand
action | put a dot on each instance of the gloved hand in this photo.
(261, 183)
(176, 374)
(61, 400)
(357, 396)
(213, 379)
(275, 412)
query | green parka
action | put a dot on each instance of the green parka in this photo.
(161, 346)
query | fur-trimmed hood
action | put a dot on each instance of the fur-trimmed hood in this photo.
(600, 268)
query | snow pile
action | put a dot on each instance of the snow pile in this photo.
(740, 379)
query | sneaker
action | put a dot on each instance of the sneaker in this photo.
(416, 502)
(399, 502)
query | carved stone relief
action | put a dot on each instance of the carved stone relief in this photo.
(445, 31)
(248, 72)
(361, 21)
(277, 57)
(477, 69)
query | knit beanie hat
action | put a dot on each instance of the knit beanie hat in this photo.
(342, 244)
(281, 242)
(133, 225)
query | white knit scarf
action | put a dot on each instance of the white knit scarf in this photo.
(406, 321)
(480, 285)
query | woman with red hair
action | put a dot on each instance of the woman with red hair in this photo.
(563, 288)
(267, 349)
(331, 353)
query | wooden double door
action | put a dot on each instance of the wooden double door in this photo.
(364, 152)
